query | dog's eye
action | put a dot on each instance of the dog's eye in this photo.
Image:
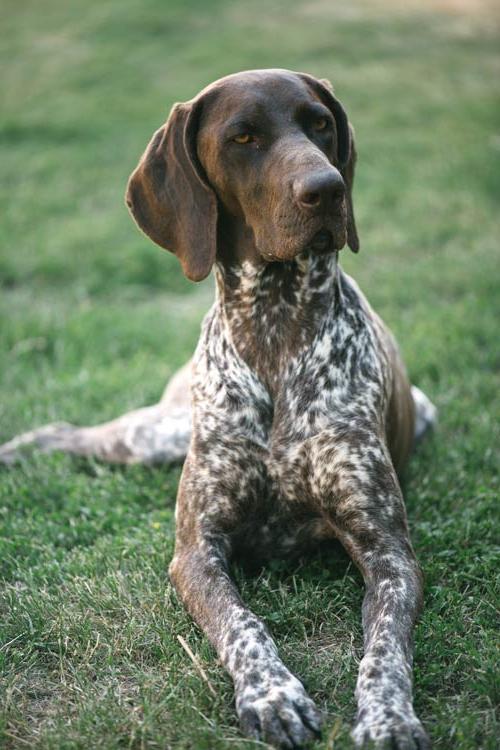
(321, 123)
(244, 138)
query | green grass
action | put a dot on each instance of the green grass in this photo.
(94, 319)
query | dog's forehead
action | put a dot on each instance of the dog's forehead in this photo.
(254, 91)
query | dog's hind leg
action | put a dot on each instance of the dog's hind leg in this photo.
(151, 435)
(425, 414)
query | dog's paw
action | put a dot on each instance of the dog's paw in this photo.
(394, 733)
(282, 715)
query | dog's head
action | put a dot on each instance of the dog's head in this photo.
(270, 148)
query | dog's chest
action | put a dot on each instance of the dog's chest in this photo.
(336, 371)
(255, 442)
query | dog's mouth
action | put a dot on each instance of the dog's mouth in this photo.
(322, 242)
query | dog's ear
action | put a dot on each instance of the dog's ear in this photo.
(169, 196)
(346, 150)
(348, 175)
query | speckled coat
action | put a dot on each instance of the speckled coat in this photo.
(292, 431)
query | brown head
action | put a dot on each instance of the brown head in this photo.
(268, 152)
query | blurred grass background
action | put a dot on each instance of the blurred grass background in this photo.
(94, 318)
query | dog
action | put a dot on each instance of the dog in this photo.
(295, 415)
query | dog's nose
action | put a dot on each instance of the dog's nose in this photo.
(319, 191)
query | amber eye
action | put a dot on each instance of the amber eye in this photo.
(243, 138)
(321, 123)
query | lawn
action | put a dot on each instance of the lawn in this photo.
(94, 318)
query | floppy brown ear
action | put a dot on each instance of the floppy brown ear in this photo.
(169, 196)
(346, 150)
(348, 175)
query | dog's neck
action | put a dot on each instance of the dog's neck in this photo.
(272, 310)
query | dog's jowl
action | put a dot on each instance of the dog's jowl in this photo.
(295, 415)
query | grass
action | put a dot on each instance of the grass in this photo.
(94, 319)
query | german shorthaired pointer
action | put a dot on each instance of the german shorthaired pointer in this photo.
(295, 414)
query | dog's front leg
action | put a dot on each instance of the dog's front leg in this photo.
(390, 607)
(271, 703)
(362, 500)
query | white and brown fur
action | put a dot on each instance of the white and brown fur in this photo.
(295, 414)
